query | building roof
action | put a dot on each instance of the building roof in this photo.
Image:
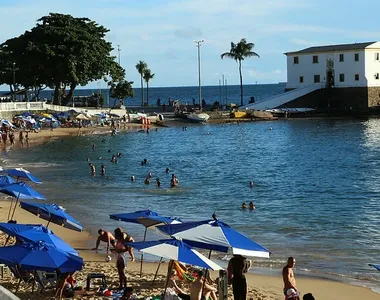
(332, 48)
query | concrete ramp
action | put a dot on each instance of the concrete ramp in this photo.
(281, 99)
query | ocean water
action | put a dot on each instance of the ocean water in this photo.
(317, 187)
(225, 95)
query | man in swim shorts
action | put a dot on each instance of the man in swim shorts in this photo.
(107, 237)
(290, 289)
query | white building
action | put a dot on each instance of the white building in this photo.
(345, 66)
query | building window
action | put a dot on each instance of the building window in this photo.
(356, 56)
(317, 78)
(356, 77)
(315, 59)
(301, 79)
(341, 57)
(377, 76)
(377, 56)
(341, 77)
(295, 60)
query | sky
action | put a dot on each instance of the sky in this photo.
(162, 32)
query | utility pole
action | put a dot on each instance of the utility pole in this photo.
(198, 44)
(118, 51)
(14, 82)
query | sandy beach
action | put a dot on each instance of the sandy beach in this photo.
(260, 286)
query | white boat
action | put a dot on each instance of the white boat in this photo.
(198, 117)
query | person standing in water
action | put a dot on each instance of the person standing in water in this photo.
(103, 170)
(174, 181)
(158, 182)
(92, 167)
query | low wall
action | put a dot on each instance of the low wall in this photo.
(7, 295)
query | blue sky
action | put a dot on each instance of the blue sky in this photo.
(161, 32)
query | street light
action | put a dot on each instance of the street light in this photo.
(118, 51)
(14, 81)
(198, 44)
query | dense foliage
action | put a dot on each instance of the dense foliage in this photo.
(61, 52)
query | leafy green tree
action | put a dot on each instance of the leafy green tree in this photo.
(239, 52)
(147, 77)
(141, 66)
(61, 52)
(121, 90)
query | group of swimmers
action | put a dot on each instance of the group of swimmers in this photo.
(173, 182)
(251, 206)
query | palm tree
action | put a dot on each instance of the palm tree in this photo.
(141, 66)
(147, 75)
(238, 52)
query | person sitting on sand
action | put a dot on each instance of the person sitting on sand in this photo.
(92, 167)
(290, 289)
(180, 293)
(251, 206)
(308, 296)
(107, 237)
(198, 285)
(244, 205)
(128, 292)
(66, 287)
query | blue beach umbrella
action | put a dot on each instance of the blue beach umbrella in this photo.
(377, 267)
(21, 173)
(175, 250)
(35, 233)
(20, 190)
(40, 256)
(148, 219)
(5, 180)
(52, 213)
(214, 235)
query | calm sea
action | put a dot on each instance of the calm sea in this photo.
(317, 187)
(224, 94)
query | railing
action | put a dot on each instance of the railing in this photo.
(278, 100)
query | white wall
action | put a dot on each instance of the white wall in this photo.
(306, 68)
(372, 66)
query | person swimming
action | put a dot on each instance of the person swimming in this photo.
(145, 161)
(244, 205)
(92, 167)
(133, 178)
(100, 157)
(103, 170)
(174, 181)
(251, 184)
(167, 170)
(113, 158)
(158, 182)
(118, 155)
(251, 206)
(148, 178)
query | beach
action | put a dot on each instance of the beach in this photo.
(260, 286)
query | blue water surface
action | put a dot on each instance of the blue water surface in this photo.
(316, 189)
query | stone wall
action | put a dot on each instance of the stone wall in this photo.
(339, 99)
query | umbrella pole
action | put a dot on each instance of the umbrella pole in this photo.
(158, 267)
(47, 225)
(142, 255)
(15, 205)
(10, 209)
(206, 274)
(167, 278)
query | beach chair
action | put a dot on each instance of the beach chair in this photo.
(45, 280)
(23, 277)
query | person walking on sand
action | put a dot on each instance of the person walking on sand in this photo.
(12, 138)
(107, 237)
(238, 266)
(92, 167)
(27, 139)
(21, 138)
(290, 288)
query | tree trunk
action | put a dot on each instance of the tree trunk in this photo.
(241, 84)
(57, 94)
(142, 91)
(69, 96)
(147, 93)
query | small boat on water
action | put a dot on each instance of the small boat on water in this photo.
(198, 117)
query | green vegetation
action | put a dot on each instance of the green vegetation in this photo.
(61, 52)
(121, 90)
(141, 66)
(238, 52)
(147, 76)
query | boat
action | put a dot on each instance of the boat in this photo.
(198, 117)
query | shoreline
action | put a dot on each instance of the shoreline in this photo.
(263, 286)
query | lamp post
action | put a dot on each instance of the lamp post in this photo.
(14, 82)
(118, 51)
(198, 44)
